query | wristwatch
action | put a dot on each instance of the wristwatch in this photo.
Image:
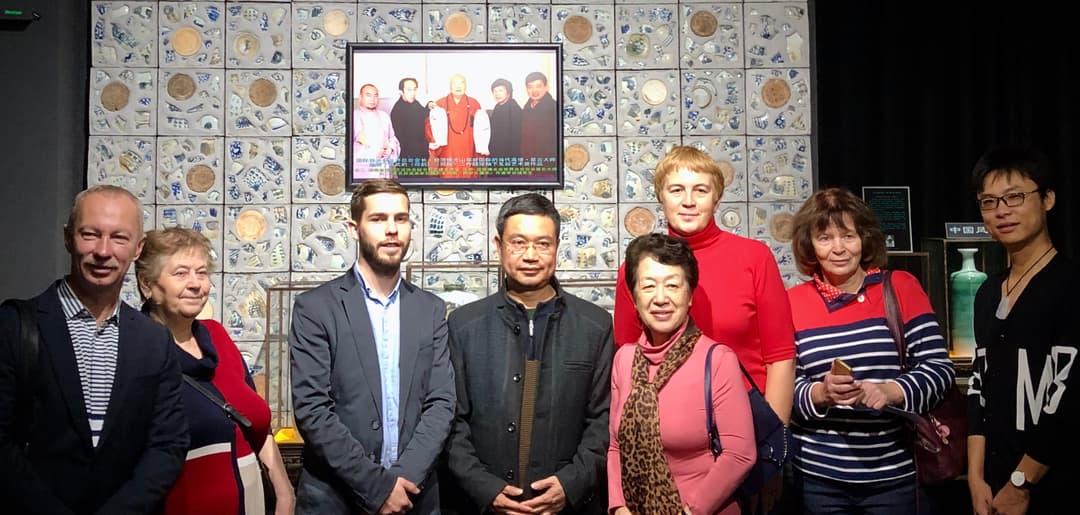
(1019, 480)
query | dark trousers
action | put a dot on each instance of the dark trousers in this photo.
(821, 496)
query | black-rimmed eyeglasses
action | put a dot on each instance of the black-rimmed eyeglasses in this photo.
(1015, 199)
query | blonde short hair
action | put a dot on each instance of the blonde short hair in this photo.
(692, 159)
(103, 189)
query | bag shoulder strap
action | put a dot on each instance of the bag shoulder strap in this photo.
(229, 410)
(710, 422)
(29, 344)
(893, 318)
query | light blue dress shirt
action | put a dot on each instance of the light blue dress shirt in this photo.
(385, 317)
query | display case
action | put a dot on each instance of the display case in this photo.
(276, 381)
(944, 260)
(914, 263)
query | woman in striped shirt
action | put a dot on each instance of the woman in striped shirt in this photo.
(850, 457)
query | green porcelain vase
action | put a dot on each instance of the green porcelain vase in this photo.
(963, 284)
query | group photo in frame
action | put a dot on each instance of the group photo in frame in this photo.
(451, 116)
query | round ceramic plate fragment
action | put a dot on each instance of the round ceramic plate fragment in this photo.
(578, 29)
(637, 45)
(331, 180)
(728, 171)
(200, 178)
(703, 24)
(246, 44)
(458, 25)
(335, 22)
(250, 225)
(654, 92)
(780, 227)
(262, 92)
(114, 96)
(576, 157)
(730, 218)
(186, 41)
(639, 221)
(775, 93)
(701, 96)
(181, 86)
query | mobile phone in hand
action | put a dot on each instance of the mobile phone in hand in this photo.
(839, 368)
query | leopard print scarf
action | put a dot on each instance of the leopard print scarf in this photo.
(648, 485)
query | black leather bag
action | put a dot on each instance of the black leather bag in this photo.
(29, 342)
(772, 436)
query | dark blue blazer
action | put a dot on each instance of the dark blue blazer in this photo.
(337, 397)
(144, 438)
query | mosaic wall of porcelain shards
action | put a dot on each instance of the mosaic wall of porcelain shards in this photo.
(229, 117)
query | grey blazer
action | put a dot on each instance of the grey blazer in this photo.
(337, 398)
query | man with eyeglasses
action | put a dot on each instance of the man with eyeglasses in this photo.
(532, 366)
(1022, 395)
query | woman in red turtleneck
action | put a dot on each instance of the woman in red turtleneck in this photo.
(741, 300)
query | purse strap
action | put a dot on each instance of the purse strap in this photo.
(29, 343)
(229, 409)
(893, 318)
(710, 422)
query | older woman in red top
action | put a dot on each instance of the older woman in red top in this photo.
(659, 459)
(220, 474)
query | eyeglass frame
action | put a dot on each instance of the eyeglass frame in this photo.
(1022, 195)
(509, 245)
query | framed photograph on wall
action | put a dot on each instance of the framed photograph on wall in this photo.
(451, 116)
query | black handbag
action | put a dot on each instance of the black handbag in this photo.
(29, 342)
(772, 436)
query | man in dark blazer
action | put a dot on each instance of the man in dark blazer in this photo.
(106, 431)
(532, 364)
(373, 390)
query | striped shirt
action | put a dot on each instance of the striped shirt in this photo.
(95, 354)
(860, 445)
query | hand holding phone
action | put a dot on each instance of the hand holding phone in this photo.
(839, 368)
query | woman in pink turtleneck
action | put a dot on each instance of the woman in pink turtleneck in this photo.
(659, 461)
(742, 301)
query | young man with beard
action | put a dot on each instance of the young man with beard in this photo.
(532, 364)
(1022, 398)
(373, 391)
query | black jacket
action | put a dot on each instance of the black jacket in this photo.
(488, 339)
(145, 434)
(505, 130)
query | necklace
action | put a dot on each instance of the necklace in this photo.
(1003, 306)
(450, 123)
